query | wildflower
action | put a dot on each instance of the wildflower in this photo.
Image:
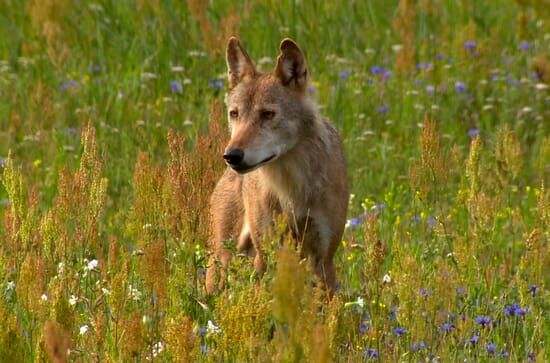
(370, 353)
(10, 286)
(44, 298)
(504, 354)
(84, 329)
(92, 264)
(525, 46)
(439, 56)
(474, 339)
(470, 45)
(105, 291)
(533, 289)
(68, 84)
(202, 331)
(60, 268)
(216, 84)
(73, 300)
(483, 320)
(157, 348)
(211, 328)
(430, 88)
(383, 108)
(376, 70)
(204, 348)
(425, 292)
(447, 327)
(176, 86)
(177, 69)
(354, 222)
(363, 328)
(491, 348)
(522, 312)
(531, 357)
(424, 65)
(473, 133)
(399, 331)
(344, 74)
(541, 86)
(460, 87)
(418, 346)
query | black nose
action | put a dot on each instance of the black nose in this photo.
(234, 156)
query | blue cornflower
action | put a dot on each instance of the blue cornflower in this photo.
(483, 320)
(531, 357)
(430, 88)
(522, 312)
(473, 133)
(439, 56)
(202, 331)
(176, 86)
(504, 354)
(418, 346)
(525, 45)
(399, 331)
(355, 222)
(491, 348)
(370, 353)
(511, 309)
(425, 292)
(460, 87)
(383, 108)
(459, 291)
(344, 74)
(470, 45)
(204, 348)
(376, 70)
(424, 65)
(363, 328)
(386, 74)
(533, 289)
(216, 84)
(68, 84)
(474, 339)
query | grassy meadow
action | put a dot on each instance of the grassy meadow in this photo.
(112, 126)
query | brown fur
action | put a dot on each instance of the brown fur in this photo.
(271, 115)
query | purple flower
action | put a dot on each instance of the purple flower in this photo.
(418, 346)
(532, 289)
(376, 70)
(311, 90)
(424, 65)
(491, 348)
(470, 45)
(355, 222)
(202, 331)
(386, 74)
(216, 84)
(68, 84)
(474, 339)
(370, 353)
(504, 354)
(525, 45)
(459, 291)
(425, 292)
(176, 86)
(522, 312)
(439, 56)
(344, 74)
(363, 328)
(483, 320)
(383, 108)
(473, 133)
(399, 331)
(202, 272)
(531, 357)
(460, 87)
(430, 88)
(204, 348)
(511, 309)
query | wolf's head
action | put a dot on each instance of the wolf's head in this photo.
(267, 112)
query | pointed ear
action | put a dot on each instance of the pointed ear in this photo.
(291, 66)
(239, 65)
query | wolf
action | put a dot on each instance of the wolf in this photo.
(283, 158)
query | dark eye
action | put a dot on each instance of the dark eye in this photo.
(267, 114)
(234, 113)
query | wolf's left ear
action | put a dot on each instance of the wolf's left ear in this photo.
(291, 66)
(239, 64)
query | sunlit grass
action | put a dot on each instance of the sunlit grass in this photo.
(111, 132)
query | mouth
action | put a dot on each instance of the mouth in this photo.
(244, 168)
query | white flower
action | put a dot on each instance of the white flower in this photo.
(73, 300)
(134, 293)
(84, 329)
(60, 268)
(44, 297)
(386, 279)
(360, 301)
(105, 291)
(541, 86)
(177, 69)
(92, 264)
(211, 328)
(157, 348)
(10, 286)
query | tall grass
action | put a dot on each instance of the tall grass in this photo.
(111, 131)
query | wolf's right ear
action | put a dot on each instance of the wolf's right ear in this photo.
(239, 64)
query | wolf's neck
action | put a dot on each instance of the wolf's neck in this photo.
(299, 174)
